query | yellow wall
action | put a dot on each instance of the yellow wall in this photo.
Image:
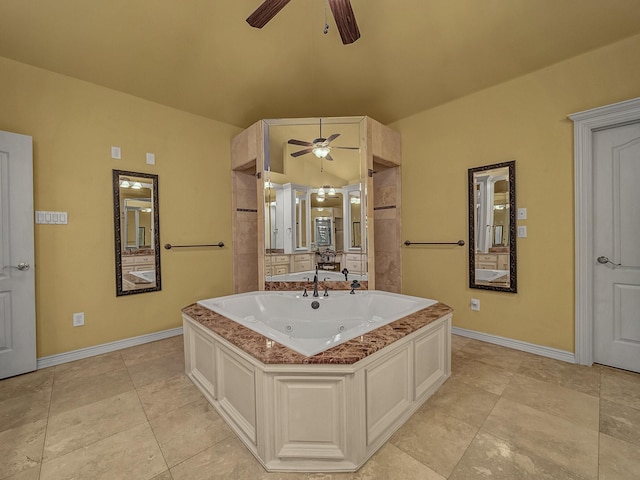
(526, 120)
(73, 125)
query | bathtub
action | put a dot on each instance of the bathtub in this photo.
(291, 319)
(323, 276)
(148, 275)
(487, 275)
(325, 413)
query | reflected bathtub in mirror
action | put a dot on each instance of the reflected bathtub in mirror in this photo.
(136, 232)
(492, 227)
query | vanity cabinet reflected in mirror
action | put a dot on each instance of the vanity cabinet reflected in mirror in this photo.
(492, 227)
(313, 199)
(136, 228)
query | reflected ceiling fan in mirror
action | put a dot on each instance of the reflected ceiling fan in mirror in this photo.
(321, 147)
(341, 9)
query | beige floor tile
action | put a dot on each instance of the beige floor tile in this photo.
(577, 377)
(491, 457)
(88, 367)
(480, 375)
(465, 402)
(21, 448)
(494, 355)
(160, 368)
(188, 430)
(161, 397)
(438, 441)
(620, 421)
(132, 454)
(391, 463)
(28, 383)
(90, 423)
(163, 476)
(572, 405)
(620, 389)
(618, 460)
(75, 393)
(559, 441)
(24, 409)
(225, 460)
(28, 474)
(457, 342)
(149, 351)
(618, 372)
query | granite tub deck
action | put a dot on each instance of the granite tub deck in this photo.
(324, 413)
(268, 351)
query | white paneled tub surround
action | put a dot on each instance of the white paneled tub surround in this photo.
(318, 417)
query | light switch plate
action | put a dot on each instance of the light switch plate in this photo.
(51, 218)
(115, 153)
(151, 159)
(522, 231)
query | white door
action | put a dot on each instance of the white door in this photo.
(616, 296)
(17, 291)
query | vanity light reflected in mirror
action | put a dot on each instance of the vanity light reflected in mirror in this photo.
(136, 232)
(492, 227)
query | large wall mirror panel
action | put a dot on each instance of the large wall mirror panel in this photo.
(492, 227)
(314, 193)
(136, 232)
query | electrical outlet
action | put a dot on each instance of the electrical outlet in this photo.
(78, 319)
(522, 213)
(475, 304)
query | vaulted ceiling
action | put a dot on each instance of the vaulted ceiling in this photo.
(202, 57)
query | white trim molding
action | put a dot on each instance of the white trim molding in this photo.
(585, 123)
(541, 350)
(81, 353)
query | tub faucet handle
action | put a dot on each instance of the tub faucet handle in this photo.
(355, 284)
(326, 292)
(305, 294)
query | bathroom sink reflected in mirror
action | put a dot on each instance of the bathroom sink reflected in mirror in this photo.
(492, 227)
(136, 228)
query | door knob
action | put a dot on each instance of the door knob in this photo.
(604, 260)
(21, 266)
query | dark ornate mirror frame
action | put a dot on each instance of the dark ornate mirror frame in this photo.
(513, 284)
(117, 228)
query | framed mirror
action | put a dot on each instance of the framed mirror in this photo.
(314, 200)
(136, 228)
(492, 227)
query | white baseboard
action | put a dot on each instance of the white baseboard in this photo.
(541, 350)
(65, 357)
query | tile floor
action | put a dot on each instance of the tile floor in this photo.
(503, 414)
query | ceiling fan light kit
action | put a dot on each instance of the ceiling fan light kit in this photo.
(320, 147)
(341, 10)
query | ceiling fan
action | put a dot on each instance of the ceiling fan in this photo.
(341, 9)
(321, 147)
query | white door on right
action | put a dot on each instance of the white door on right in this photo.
(616, 242)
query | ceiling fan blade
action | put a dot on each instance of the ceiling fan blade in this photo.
(345, 148)
(302, 143)
(265, 12)
(345, 20)
(302, 152)
(332, 137)
(329, 157)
